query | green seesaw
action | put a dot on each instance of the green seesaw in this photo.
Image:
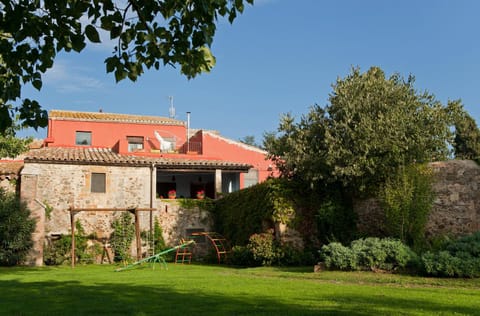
(157, 258)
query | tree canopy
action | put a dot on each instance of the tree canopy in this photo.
(371, 126)
(148, 34)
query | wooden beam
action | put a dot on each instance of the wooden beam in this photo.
(111, 209)
(72, 228)
(137, 236)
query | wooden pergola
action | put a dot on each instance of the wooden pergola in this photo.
(134, 211)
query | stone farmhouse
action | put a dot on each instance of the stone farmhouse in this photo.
(92, 166)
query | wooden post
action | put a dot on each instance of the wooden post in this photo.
(137, 236)
(72, 227)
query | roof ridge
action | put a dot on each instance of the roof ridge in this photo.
(112, 117)
(236, 142)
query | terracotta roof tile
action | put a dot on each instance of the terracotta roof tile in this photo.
(105, 156)
(10, 169)
(112, 117)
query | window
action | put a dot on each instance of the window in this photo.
(83, 138)
(135, 143)
(98, 182)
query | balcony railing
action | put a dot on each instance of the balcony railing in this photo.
(191, 148)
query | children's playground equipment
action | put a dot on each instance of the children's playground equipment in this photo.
(219, 243)
(184, 251)
(157, 258)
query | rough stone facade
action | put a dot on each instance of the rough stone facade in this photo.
(52, 189)
(456, 209)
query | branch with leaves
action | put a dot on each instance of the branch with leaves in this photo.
(149, 34)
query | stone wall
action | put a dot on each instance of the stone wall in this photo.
(456, 209)
(62, 186)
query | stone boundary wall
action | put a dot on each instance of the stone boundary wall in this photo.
(456, 209)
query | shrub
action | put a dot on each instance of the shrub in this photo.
(58, 252)
(16, 228)
(335, 219)
(241, 256)
(459, 258)
(263, 248)
(407, 199)
(337, 256)
(368, 254)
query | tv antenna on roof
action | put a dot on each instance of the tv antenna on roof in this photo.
(171, 110)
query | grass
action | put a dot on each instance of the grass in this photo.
(218, 290)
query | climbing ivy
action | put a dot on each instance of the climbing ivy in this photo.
(122, 237)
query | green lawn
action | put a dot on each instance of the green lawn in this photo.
(218, 290)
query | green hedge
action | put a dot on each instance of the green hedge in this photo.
(240, 214)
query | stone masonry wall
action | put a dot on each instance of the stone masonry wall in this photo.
(456, 209)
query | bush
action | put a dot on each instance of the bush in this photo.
(58, 252)
(407, 199)
(459, 258)
(16, 228)
(368, 254)
(337, 256)
(263, 248)
(241, 256)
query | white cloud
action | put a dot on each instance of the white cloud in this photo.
(68, 78)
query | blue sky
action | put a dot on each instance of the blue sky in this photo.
(282, 56)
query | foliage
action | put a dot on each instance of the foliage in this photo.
(263, 248)
(249, 140)
(203, 204)
(16, 229)
(335, 219)
(11, 146)
(372, 126)
(250, 211)
(368, 254)
(407, 199)
(242, 256)
(122, 237)
(467, 134)
(148, 34)
(337, 256)
(57, 252)
(459, 258)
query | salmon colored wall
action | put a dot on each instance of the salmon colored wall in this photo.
(218, 148)
(106, 134)
(61, 133)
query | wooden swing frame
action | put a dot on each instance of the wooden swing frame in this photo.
(134, 211)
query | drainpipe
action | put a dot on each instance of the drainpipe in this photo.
(153, 182)
(188, 132)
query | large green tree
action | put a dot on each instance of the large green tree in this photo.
(148, 34)
(12, 146)
(467, 135)
(372, 125)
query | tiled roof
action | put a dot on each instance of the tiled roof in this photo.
(105, 156)
(112, 117)
(10, 169)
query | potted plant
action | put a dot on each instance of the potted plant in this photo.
(201, 194)
(172, 194)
